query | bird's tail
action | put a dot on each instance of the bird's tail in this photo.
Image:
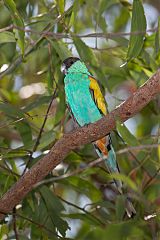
(104, 149)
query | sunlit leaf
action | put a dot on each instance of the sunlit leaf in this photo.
(15, 153)
(128, 137)
(138, 28)
(7, 37)
(18, 21)
(4, 230)
(61, 4)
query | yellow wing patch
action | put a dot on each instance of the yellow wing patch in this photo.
(99, 99)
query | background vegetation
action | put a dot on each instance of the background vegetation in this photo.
(75, 201)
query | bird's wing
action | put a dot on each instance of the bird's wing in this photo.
(97, 95)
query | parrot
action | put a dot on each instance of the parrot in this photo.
(86, 105)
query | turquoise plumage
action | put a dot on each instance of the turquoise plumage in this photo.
(78, 95)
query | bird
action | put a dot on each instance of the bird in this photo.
(86, 105)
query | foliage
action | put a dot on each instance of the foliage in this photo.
(72, 202)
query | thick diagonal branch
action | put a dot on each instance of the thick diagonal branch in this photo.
(77, 138)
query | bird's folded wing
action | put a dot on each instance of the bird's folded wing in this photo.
(97, 95)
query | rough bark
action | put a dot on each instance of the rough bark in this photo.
(78, 137)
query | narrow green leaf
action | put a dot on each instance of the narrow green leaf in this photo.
(138, 24)
(4, 230)
(11, 110)
(52, 200)
(85, 52)
(7, 37)
(128, 137)
(61, 49)
(102, 23)
(103, 6)
(39, 101)
(61, 5)
(54, 207)
(46, 139)
(74, 12)
(18, 21)
(39, 213)
(106, 4)
(147, 72)
(88, 56)
(61, 107)
(15, 153)
(121, 19)
(126, 4)
(25, 131)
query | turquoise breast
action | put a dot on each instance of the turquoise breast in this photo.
(79, 98)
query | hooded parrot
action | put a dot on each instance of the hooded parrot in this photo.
(87, 105)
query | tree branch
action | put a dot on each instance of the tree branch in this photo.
(68, 35)
(79, 137)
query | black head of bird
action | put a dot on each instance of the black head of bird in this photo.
(67, 63)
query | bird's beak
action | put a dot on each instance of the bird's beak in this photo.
(63, 69)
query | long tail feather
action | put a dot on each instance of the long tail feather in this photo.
(104, 149)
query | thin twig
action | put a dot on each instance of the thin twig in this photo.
(13, 122)
(40, 133)
(158, 170)
(133, 155)
(104, 49)
(10, 27)
(9, 171)
(141, 147)
(24, 118)
(151, 179)
(73, 173)
(15, 224)
(83, 210)
(70, 35)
